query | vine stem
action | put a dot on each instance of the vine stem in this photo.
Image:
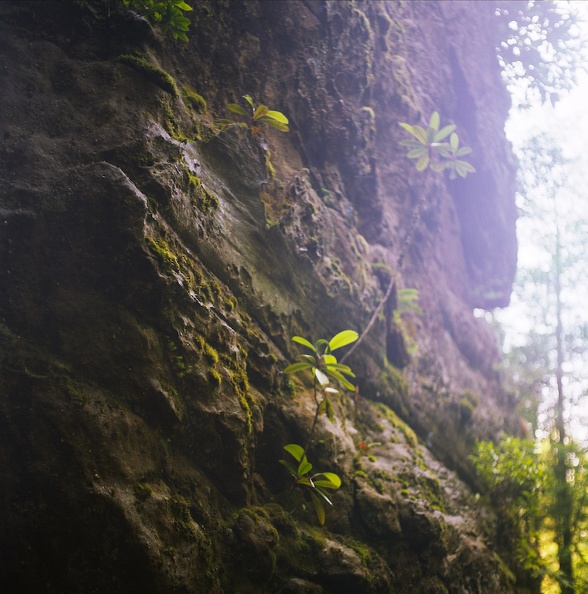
(406, 243)
(316, 414)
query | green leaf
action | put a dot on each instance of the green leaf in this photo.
(342, 369)
(438, 167)
(422, 163)
(183, 6)
(343, 339)
(459, 169)
(463, 151)
(180, 35)
(327, 480)
(274, 124)
(411, 142)
(341, 379)
(445, 131)
(329, 409)
(260, 112)
(463, 168)
(318, 508)
(305, 467)
(299, 366)
(250, 101)
(434, 121)
(322, 343)
(322, 493)
(304, 342)
(237, 109)
(181, 22)
(416, 153)
(296, 451)
(417, 131)
(443, 150)
(454, 141)
(329, 360)
(309, 358)
(277, 115)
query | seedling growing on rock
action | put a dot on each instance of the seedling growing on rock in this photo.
(431, 149)
(323, 364)
(314, 484)
(321, 360)
(260, 114)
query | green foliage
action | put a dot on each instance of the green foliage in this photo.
(431, 149)
(510, 469)
(566, 508)
(322, 362)
(168, 14)
(260, 114)
(514, 477)
(315, 484)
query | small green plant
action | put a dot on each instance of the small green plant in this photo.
(323, 364)
(168, 14)
(314, 484)
(321, 360)
(260, 114)
(431, 149)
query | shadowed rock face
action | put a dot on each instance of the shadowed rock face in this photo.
(154, 266)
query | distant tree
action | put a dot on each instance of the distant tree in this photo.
(512, 475)
(555, 345)
(540, 48)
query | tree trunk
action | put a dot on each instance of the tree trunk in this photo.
(563, 495)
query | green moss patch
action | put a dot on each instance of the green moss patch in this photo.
(152, 73)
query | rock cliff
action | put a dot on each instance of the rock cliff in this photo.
(155, 264)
